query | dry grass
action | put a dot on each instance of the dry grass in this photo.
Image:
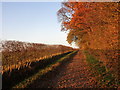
(17, 54)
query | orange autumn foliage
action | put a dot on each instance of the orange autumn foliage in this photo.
(98, 22)
(95, 24)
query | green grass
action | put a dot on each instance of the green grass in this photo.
(104, 76)
(42, 72)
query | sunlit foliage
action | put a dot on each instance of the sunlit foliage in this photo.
(93, 26)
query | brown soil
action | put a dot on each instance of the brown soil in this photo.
(73, 74)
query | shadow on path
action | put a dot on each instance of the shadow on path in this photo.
(74, 73)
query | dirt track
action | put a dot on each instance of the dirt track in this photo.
(73, 74)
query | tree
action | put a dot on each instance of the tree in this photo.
(95, 24)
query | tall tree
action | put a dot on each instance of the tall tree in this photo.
(95, 24)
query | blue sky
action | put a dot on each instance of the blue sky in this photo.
(0, 20)
(32, 22)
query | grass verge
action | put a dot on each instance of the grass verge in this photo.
(103, 76)
(42, 72)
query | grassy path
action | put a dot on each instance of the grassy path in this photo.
(73, 74)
